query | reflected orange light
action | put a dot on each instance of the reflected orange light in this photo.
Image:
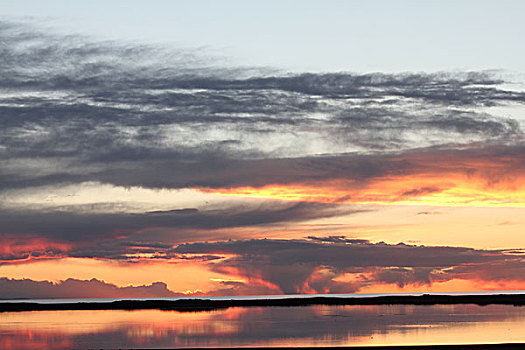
(356, 325)
(78, 322)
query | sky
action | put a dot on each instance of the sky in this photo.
(166, 149)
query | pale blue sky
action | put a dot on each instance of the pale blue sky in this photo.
(359, 36)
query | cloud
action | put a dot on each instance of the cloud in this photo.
(429, 213)
(55, 233)
(320, 265)
(331, 264)
(482, 176)
(420, 191)
(73, 288)
(338, 239)
(404, 276)
(77, 110)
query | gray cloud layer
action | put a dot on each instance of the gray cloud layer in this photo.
(78, 110)
(292, 264)
(67, 226)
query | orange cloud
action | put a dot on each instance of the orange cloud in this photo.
(28, 247)
(446, 178)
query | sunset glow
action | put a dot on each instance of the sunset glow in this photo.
(149, 169)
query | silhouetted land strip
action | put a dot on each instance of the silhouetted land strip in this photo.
(205, 304)
(507, 346)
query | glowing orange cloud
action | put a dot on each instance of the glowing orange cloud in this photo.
(253, 283)
(437, 179)
(26, 247)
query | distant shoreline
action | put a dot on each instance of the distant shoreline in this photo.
(207, 304)
(500, 346)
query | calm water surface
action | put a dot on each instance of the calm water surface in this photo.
(264, 326)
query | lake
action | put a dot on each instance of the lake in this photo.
(317, 325)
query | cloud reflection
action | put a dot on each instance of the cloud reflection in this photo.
(272, 326)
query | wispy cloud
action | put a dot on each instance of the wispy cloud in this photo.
(79, 110)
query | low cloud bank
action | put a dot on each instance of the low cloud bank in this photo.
(73, 288)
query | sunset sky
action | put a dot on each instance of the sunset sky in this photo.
(229, 148)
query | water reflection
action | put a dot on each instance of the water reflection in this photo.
(270, 326)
